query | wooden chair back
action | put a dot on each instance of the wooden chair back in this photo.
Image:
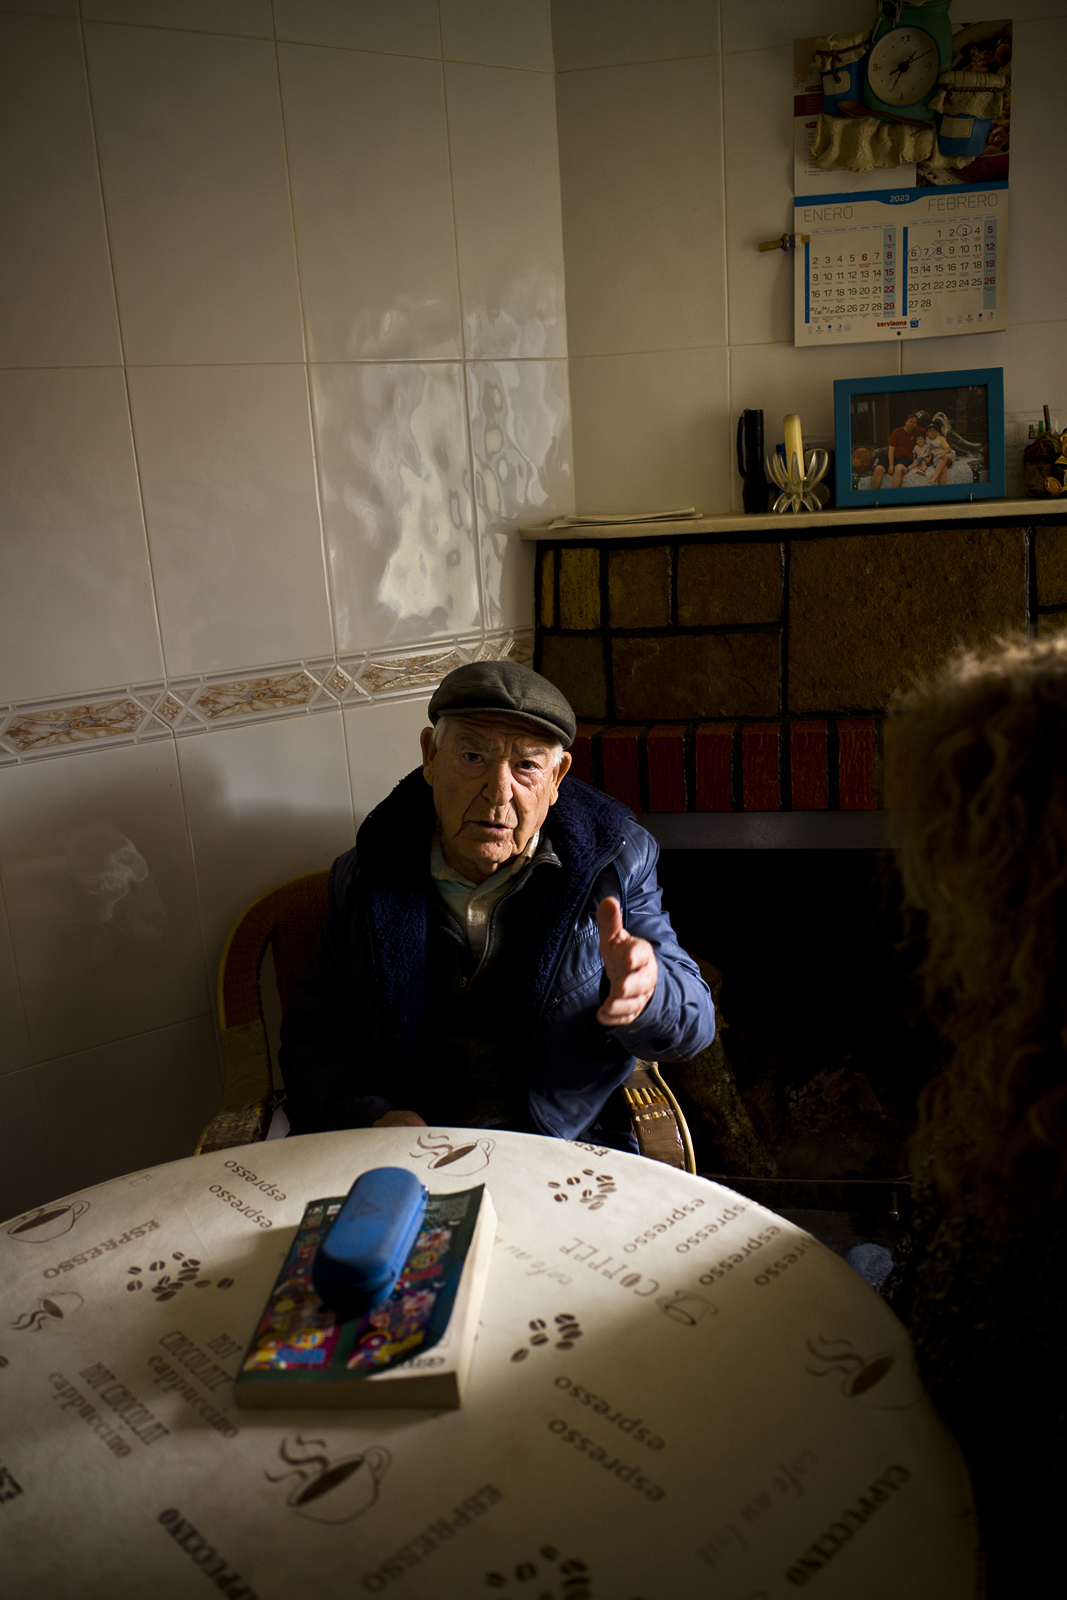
(287, 919)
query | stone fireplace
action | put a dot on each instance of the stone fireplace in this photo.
(744, 666)
(713, 675)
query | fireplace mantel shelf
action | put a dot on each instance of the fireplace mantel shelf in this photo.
(983, 511)
(774, 830)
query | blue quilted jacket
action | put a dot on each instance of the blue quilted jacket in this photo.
(353, 1030)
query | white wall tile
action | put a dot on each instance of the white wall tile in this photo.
(400, 27)
(191, 154)
(770, 23)
(383, 747)
(523, 472)
(1037, 230)
(229, 487)
(27, 1172)
(265, 803)
(44, 8)
(641, 180)
(604, 33)
(372, 199)
(204, 16)
(396, 501)
(777, 379)
(759, 194)
(516, 34)
(15, 1049)
(98, 883)
(505, 176)
(57, 307)
(146, 1100)
(76, 607)
(652, 431)
(1033, 356)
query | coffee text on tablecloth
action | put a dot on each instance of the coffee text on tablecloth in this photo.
(709, 1228)
(859, 1513)
(437, 1534)
(679, 1214)
(622, 1470)
(630, 1281)
(630, 1425)
(734, 1258)
(238, 1204)
(101, 1249)
(213, 1566)
(73, 1400)
(776, 1268)
(125, 1404)
(538, 1267)
(786, 1481)
(196, 1361)
(172, 1382)
(271, 1191)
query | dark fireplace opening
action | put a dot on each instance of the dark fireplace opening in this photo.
(824, 1034)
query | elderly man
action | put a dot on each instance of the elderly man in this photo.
(495, 954)
(897, 457)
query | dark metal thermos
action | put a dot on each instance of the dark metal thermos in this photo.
(750, 461)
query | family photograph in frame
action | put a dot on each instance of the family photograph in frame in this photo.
(919, 438)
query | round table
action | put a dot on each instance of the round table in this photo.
(674, 1393)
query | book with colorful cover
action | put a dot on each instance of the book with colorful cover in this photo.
(412, 1349)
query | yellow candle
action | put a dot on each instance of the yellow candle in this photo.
(794, 442)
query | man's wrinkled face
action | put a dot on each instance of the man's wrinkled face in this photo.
(493, 780)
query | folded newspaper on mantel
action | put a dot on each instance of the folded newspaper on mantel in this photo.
(611, 520)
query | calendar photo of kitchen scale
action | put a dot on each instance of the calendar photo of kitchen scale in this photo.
(912, 251)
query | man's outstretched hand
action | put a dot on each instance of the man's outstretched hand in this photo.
(400, 1119)
(630, 965)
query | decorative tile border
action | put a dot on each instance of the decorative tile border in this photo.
(179, 707)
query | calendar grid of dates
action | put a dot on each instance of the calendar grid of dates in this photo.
(944, 260)
(917, 277)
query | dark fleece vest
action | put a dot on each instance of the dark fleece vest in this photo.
(538, 914)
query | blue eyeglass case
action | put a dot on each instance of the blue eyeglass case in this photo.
(361, 1257)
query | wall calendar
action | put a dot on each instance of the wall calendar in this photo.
(901, 217)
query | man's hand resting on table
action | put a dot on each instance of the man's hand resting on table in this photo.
(631, 967)
(400, 1119)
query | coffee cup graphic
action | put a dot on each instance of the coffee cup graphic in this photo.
(47, 1222)
(884, 1380)
(328, 1491)
(462, 1159)
(50, 1309)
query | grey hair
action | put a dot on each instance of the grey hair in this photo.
(555, 751)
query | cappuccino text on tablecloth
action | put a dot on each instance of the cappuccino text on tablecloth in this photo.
(674, 1393)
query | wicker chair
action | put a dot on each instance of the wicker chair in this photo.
(289, 919)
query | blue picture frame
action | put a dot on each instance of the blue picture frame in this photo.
(864, 408)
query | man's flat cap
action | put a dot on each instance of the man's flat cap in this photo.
(504, 688)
